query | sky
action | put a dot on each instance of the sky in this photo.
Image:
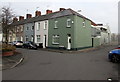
(99, 11)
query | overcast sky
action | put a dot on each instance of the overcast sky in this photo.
(100, 11)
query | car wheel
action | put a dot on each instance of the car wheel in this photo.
(115, 59)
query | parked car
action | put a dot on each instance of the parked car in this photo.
(29, 45)
(17, 43)
(114, 55)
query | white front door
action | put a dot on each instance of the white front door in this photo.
(69, 43)
(44, 41)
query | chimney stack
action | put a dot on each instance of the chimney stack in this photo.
(61, 9)
(48, 11)
(28, 16)
(21, 18)
(15, 19)
(37, 13)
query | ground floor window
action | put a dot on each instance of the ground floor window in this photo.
(38, 38)
(55, 39)
(26, 38)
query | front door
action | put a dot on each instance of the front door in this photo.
(44, 41)
(69, 42)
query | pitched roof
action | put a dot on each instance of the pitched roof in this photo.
(65, 12)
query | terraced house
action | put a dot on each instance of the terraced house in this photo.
(17, 28)
(69, 30)
(64, 29)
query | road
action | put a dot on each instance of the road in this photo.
(46, 65)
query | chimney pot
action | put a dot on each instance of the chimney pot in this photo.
(28, 16)
(61, 9)
(37, 13)
(15, 19)
(21, 18)
(48, 11)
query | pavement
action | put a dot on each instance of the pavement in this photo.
(11, 61)
(77, 51)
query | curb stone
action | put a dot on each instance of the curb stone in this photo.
(9, 65)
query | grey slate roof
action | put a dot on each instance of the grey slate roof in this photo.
(49, 16)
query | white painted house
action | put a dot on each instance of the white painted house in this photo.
(41, 33)
(105, 34)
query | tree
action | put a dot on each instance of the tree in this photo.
(7, 16)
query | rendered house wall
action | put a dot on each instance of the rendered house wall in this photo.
(82, 34)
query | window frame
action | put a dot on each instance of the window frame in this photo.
(84, 23)
(38, 38)
(45, 25)
(38, 27)
(69, 23)
(55, 37)
(56, 22)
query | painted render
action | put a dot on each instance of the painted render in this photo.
(80, 36)
(42, 32)
(28, 32)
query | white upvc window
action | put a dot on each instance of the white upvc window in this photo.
(38, 38)
(55, 39)
(38, 27)
(56, 24)
(68, 22)
(26, 38)
(45, 25)
(83, 22)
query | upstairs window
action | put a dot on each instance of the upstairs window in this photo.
(56, 24)
(83, 22)
(38, 27)
(45, 25)
(55, 39)
(68, 22)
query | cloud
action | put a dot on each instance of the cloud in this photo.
(89, 1)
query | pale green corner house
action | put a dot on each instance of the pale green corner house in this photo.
(69, 30)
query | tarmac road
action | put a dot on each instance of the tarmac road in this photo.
(45, 65)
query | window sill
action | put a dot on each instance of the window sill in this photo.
(68, 26)
(55, 43)
(56, 28)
